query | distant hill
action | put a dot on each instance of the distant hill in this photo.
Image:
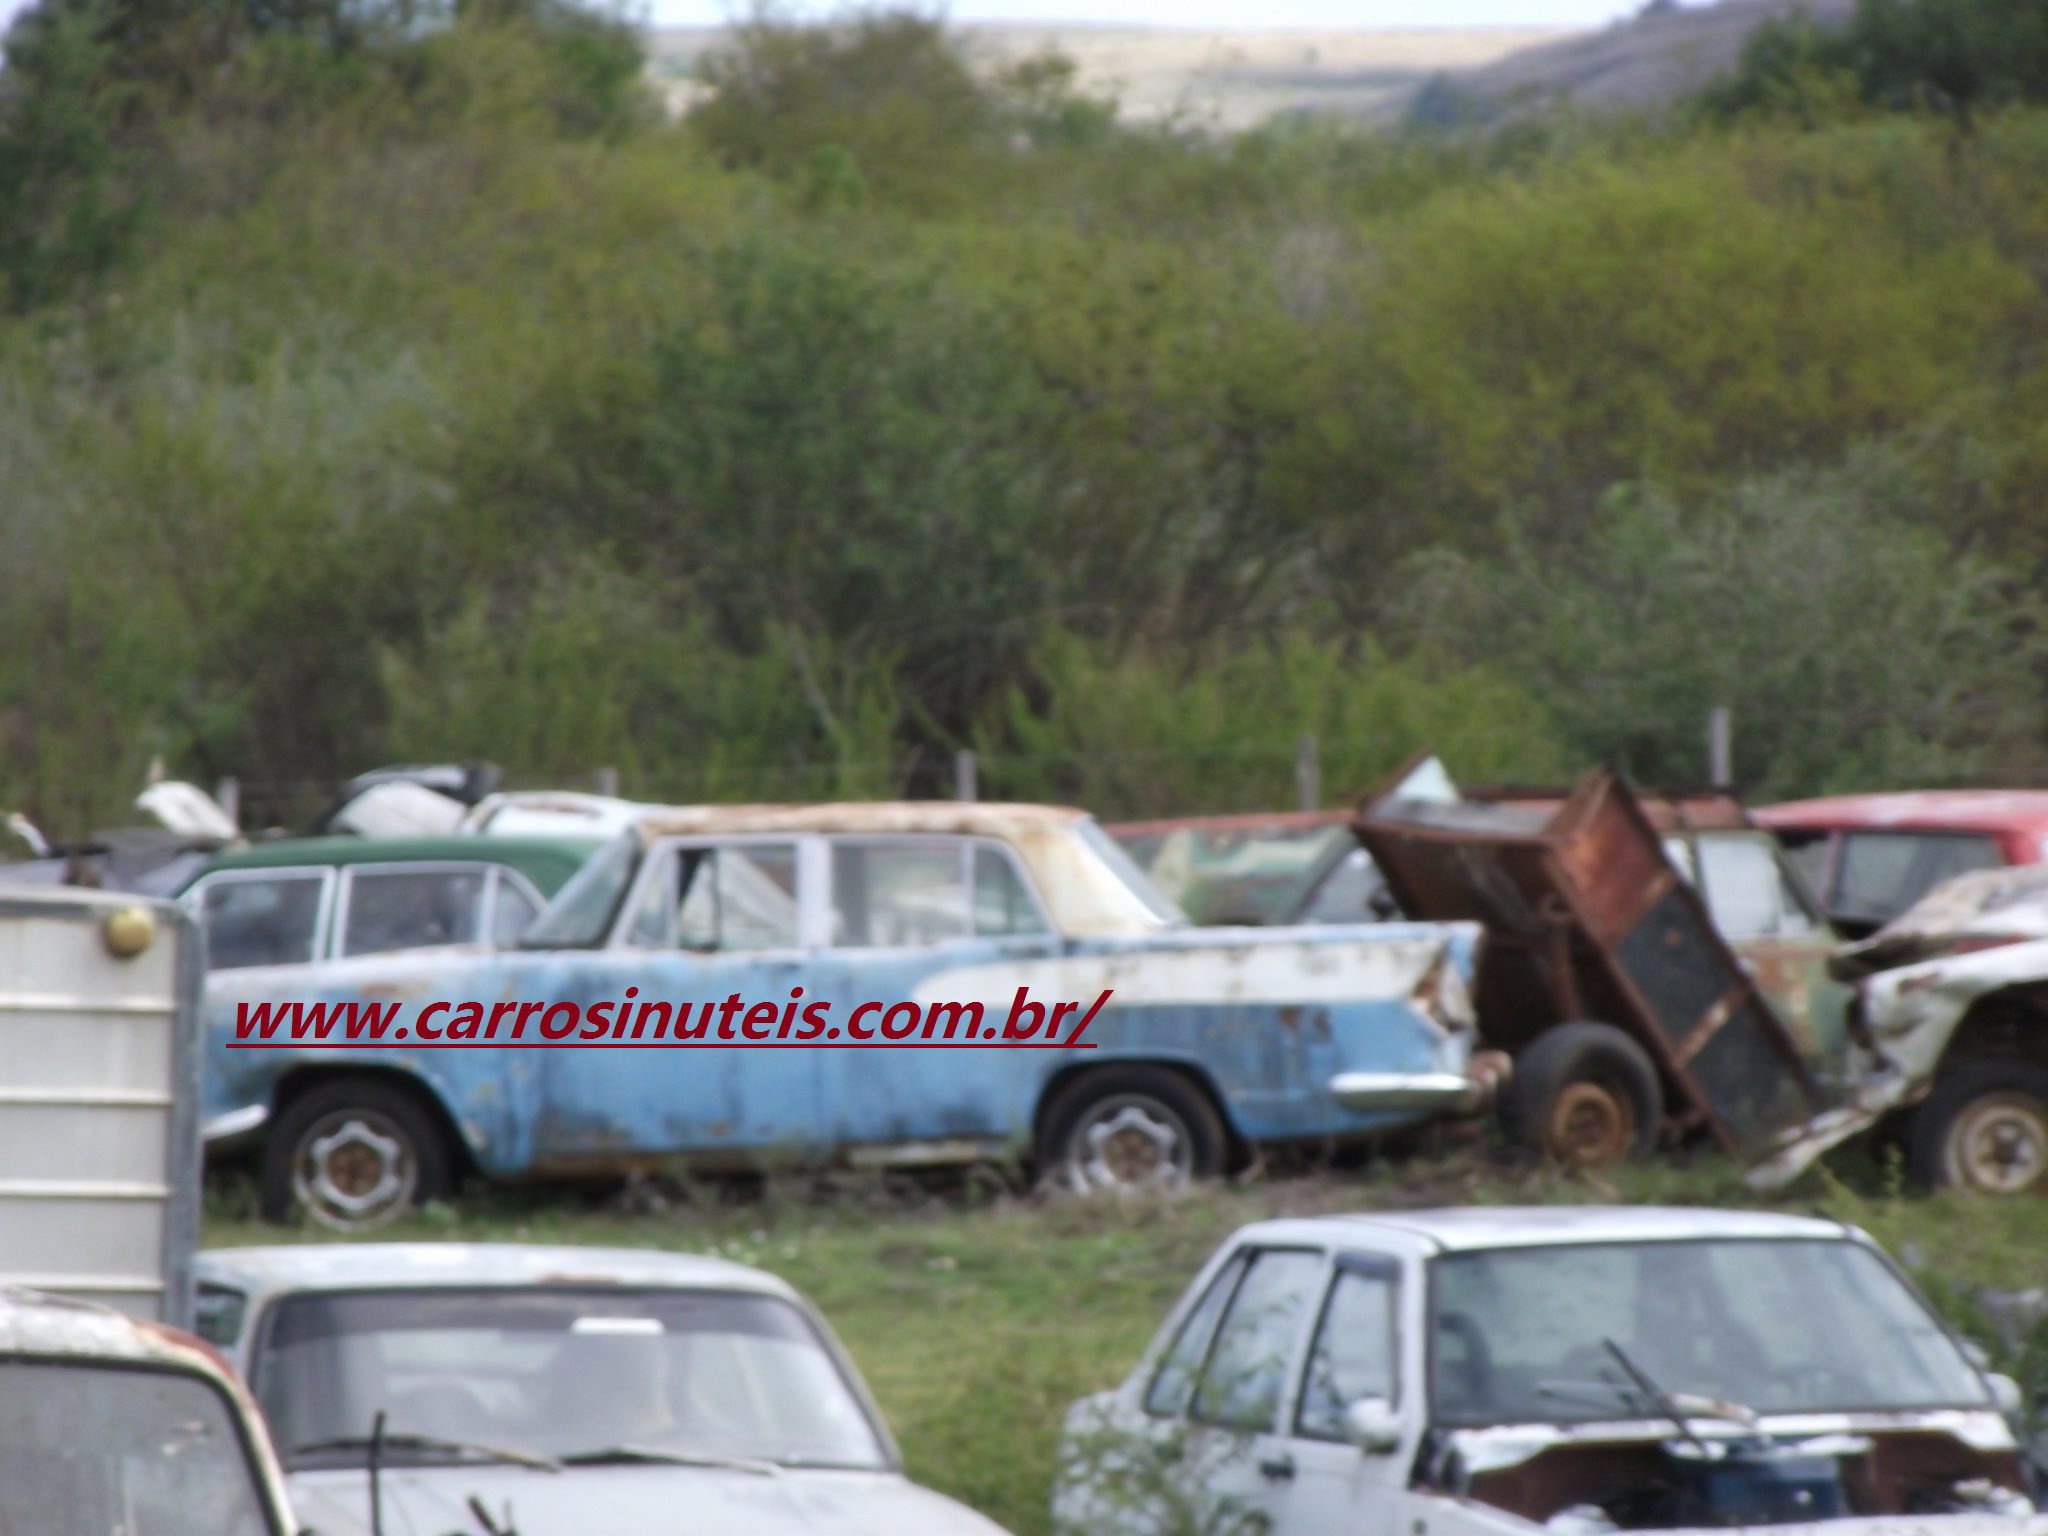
(1654, 58)
(1233, 79)
(1239, 79)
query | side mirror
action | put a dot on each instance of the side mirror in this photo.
(2012, 1402)
(1370, 1424)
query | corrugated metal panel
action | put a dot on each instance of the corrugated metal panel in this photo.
(99, 1142)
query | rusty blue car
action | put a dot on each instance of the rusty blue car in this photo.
(1163, 1052)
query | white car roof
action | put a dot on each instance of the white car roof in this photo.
(1464, 1228)
(356, 1266)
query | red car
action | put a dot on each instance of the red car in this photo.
(1869, 857)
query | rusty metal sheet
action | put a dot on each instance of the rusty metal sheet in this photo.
(1586, 918)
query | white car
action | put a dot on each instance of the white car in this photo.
(503, 1388)
(1488, 1372)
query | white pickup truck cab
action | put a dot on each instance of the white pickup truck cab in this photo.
(1503, 1372)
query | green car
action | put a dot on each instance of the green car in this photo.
(306, 900)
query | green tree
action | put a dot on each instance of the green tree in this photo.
(69, 209)
(1957, 57)
(1855, 649)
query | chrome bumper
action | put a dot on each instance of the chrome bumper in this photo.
(222, 1132)
(1449, 1093)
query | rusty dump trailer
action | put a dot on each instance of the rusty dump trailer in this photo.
(1602, 974)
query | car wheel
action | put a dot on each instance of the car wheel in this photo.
(354, 1154)
(1585, 1096)
(1131, 1128)
(1984, 1128)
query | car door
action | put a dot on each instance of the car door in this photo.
(1239, 1451)
(707, 920)
(1354, 1352)
(903, 913)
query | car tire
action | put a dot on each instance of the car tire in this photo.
(1983, 1129)
(354, 1154)
(1584, 1096)
(1130, 1128)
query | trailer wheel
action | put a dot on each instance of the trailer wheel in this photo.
(1984, 1129)
(1585, 1096)
(354, 1154)
(1130, 1128)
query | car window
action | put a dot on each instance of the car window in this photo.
(91, 1445)
(1003, 907)
(1523, 1335)
(737, 896)
(217, 1313)
(555, 1370)
(1245, 1375)
(1808, 852)
(1746, 887)
(1883, 873)
(886, 894)
(515, 913)
(1354, 1350)
(1348, 892)
(394, 909)
(1175, 1378)
(261, 921)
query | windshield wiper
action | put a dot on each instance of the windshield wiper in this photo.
(428, 1443)
(1675, 1406)
(616, 1454)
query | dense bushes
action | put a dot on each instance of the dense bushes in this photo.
(453, 405)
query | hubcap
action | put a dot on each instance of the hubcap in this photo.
(1129, 1142)
(1590, 1126)
(354, 1170)
(1998, 1145)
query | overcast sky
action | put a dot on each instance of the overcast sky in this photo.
(1201, 13)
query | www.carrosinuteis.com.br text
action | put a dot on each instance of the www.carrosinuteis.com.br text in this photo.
(634, 1022)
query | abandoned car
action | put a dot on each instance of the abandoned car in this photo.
(563, 1391)
(1200, 1044)
(114, 1423)
(305, 900)
(1950, 1040)
(1283, 867)
(1581, 1371)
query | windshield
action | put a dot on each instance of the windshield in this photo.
(1780, 1326)
(1133, 878)
(580, 916)
(89, 1449)
(558, 1371)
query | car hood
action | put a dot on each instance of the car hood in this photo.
(631, 1501)
(2004, 903)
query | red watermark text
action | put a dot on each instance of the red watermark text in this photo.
(633, 1022)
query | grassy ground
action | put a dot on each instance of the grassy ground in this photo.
(978, 1322)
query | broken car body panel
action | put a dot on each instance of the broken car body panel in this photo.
(987, 900)
(1968, 945)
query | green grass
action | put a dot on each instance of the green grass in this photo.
(976, 1324)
